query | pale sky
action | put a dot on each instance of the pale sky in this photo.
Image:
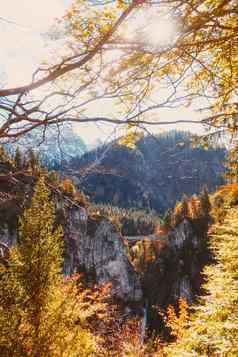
(23, 48)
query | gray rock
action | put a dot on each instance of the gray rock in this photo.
(7, 235)
(182, 288)
(101, 250)
(176, 273)
(182, 236)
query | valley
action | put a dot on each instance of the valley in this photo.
(119, 178)
(150, 258)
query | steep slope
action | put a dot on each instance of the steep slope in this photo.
(154, 176)
(92, 245)
(95, 245)
(212, 327)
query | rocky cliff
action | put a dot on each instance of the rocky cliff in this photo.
(95, 246)
(176, 271)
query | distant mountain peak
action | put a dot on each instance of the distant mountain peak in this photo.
(54, 145)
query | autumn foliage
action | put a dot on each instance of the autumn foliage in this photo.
(40, 313)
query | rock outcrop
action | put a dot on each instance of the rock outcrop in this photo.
(176, 273)
(97, 248)
(183, 236)
(93, 245)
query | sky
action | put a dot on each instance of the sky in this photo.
(22, 45)
(23, 48)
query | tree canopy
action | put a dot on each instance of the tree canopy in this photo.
(106, 56)
(212, 330)
(40, 312)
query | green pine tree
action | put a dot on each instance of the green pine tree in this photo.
(231, 165)
(184, 210)
(213, 329)
(33, 161)
(205, 203)
(39, 311)
(168, 218)
(18, 161)
(181, 211)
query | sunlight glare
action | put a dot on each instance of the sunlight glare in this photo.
(158, 33)
(152, 27)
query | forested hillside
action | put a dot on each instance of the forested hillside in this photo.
(131, 249)
(126, 252)
(148, 269)
(153, 176)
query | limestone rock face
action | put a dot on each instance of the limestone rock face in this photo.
(96, 247)
(182, 288)
(177, 271)
(8, 236)
(182, 236)
(93, 245)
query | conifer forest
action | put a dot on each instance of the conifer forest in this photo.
(119, 178)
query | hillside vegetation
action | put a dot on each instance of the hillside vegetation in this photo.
(162, 264)
(153, 176)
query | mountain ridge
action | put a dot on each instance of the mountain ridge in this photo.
(153, 176)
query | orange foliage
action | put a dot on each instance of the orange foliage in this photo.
(159, 245)
(194, 206)
(161, 230)
(232, 187)
(177, 208)
(177, 321)
(129, 340)
(68, 186)
(149, 253)
(223, 199)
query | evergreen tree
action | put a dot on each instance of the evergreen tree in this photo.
(205, 203)
(184, 210)
(231, 165)
(181, 211)
(194, 207)
(39, 311)
(168, 219)
(18, 159)
(33, 161)
(213, 329)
